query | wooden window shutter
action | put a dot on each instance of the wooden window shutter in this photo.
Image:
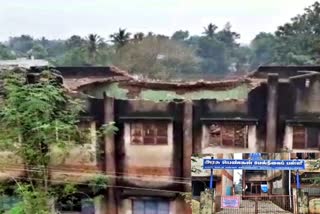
(299, 137)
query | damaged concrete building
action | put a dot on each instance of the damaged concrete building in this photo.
(161, 124)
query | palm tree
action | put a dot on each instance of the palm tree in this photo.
(138, 36)
(94, 42)
(210, 30)
(120, 38)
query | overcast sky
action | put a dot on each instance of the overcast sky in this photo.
(63, 18)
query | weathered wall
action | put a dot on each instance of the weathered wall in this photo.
(227, 182)
(11, 166)
(147, 164)
(76, 162)
(258, 175)
(123, 91)
(244, 110)
(277, 187)
(307, 92)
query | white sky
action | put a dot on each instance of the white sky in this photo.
(63, 18)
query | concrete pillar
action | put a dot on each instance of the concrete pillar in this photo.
(187, 142)
(207, 202)
(110, 155)
(100, 205)
(288, 138)
(272, 111)
(252, 138)
(303, 202)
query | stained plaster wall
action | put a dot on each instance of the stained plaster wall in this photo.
(11, 166)
(152, 157)
(255, 175)
(307, 99)
(149, 161)
(77, 162)
(300, 101)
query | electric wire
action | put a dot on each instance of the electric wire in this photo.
(104, 185)
(107, 175)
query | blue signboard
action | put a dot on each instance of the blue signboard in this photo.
(253, 164)
(255, 156)
(264, 188)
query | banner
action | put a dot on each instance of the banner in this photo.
(253, 164)
(230, 201)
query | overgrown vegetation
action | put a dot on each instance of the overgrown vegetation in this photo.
(34, 116)
(216, 52)
(315, 178)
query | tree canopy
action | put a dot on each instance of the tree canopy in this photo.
(217, 49)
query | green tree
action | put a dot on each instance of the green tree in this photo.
(73, 52)
(34, 117)
(38, 51)
(72, 57)
(156, 57)
(263, 47)
(138, 36)
(213, 55)
(82, 52)
(21, 44)
(210, 30)
(243, 59)
(298, 41)
(120, 38)
(193, 42)
(180, 35)
(228, 37)
(218, 49)
(93, 44)
(74, 41)
(6, 53)
(55, 48)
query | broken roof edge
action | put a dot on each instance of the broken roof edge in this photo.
(284, 71)
(158, 84)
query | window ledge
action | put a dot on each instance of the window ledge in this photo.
(145, 118)
(231, 120)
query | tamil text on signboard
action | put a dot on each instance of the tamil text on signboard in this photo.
(253, 164)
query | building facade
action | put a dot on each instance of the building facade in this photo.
(161, 124)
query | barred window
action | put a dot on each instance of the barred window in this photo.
(229, 135)
(149, 133)
(306, 137)
(150, 207)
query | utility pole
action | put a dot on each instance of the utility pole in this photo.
(211, 187)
